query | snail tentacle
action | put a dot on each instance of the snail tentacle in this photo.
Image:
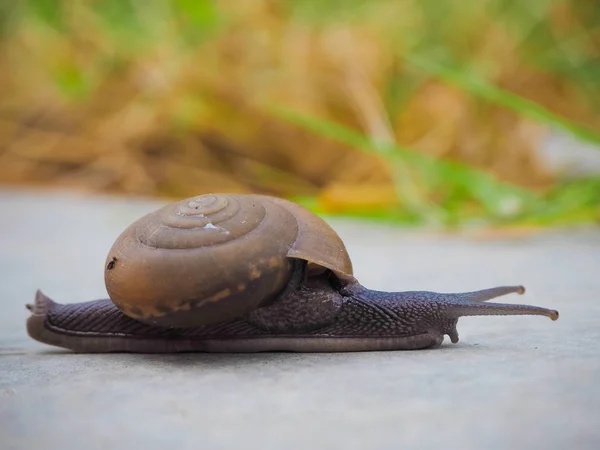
(488, 294)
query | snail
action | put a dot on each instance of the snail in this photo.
(248, 273)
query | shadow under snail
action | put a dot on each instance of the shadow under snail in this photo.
(249, 273)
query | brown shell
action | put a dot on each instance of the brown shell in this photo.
(215, 257)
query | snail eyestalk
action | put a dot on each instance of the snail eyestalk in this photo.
(473, 308)
(472, 304)
(488, 294)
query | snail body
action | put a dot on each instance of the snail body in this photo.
(248, 273)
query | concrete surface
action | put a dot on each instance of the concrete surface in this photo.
(510, 383)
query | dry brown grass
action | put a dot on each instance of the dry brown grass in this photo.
(163, 118)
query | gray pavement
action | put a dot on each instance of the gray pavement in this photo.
(510, 383)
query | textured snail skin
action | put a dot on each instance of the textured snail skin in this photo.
(236, 273)
(316, 318)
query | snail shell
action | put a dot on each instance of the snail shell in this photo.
(216, 257)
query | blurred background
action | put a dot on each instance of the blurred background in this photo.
(427, 112)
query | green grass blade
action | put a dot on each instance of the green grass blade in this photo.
(498, 198)
(527, 108)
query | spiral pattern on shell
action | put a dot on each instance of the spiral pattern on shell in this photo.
(201, 221)
(215, 257)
